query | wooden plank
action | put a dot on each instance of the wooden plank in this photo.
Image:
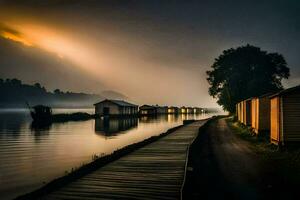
(155, 171)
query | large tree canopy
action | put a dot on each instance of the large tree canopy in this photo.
(245, 72)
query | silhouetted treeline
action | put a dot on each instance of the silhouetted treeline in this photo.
(13, 93)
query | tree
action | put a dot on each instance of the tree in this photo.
(57, 91)
(37, 85)
(16, 82)
(245, 72)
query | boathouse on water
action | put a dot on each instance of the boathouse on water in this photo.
(162, 109)
(173, 110)
(183, 110)
(197, 110)
(110, 107)
(285, 116)
(147, 110)
(260, 113)
(189, 110)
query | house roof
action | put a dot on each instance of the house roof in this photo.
(248, 99)
(117, 102)
(269, 94)
(147, 107)
(266, 95)
(286, 91)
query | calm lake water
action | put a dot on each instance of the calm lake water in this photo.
(31, 157)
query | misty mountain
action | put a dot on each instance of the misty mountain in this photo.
(110, 94)
(15, 94)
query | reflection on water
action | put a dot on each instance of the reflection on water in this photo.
(113, 126)
(31, 155)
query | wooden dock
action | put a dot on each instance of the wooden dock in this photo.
(155, 171)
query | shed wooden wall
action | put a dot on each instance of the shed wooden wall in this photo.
(243, 113)
(255, 114)
(264, 114)
(275, 120)
(248, 112)
(291, 117)
(113, 108)
(183, 110)
(173, 110)
(162, 110)
(238, 111)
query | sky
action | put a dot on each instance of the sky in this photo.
(154, 52)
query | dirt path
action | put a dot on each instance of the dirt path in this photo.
(221, 165)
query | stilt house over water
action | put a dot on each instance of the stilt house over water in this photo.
(173, 110)
(183, 110)
(147, 110)
(189, 110)
(110, 107)
(162, 109)
(285, 116)
(197, 110)
(260, 113)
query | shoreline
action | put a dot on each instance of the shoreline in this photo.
(94, 165)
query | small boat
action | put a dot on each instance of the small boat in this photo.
(41, 113)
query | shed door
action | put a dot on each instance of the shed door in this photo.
(106, 111)
(248, 112)
(275, 123)
(254, 114)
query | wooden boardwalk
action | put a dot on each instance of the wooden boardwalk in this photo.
(155, 171)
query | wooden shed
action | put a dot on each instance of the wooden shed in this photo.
(244, 112)
(239, 111)
(173, 110)
(162, 109)
(189, 110)
(183, 110)
(147, 110)
(285, 116)
(197, 110)
(260, 113)
(248, 111)
(110, 107)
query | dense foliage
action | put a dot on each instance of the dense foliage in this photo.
(15, 94)
(245, 72)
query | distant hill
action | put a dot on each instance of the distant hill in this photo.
(15, 94)
(110, 94)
